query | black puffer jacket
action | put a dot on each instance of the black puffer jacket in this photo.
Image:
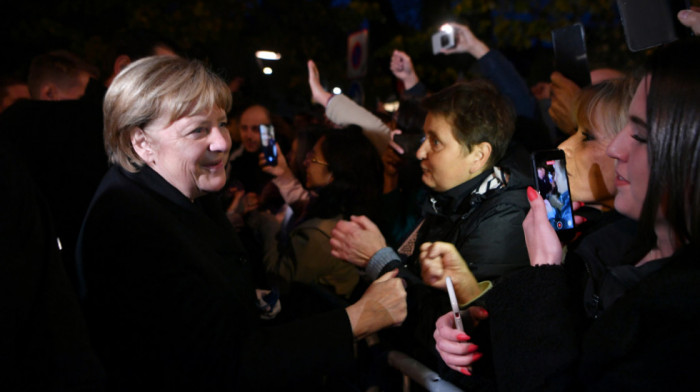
(485, 228)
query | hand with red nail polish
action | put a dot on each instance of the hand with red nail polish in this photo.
(454, 346)
(543, 245)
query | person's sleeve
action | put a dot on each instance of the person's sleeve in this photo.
(266, 228)
(497, 245)
(313, 262)
(290, 188)
(380, 260)
(344, 111)
(501, 72)
(535, 330)
(204, 331)
(418, 91)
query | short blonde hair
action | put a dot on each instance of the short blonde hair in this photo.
(614, 95)
(152, 87)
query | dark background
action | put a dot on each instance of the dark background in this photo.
(226, 33)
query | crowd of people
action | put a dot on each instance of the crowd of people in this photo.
(151, 244)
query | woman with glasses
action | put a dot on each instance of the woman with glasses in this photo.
(343, 174)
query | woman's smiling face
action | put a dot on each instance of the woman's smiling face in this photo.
(591, 172)
(629, 149)
(189, 153)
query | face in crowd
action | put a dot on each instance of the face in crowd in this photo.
(629, 149)
(445, 162)
(317, 173)
(190, 153)
(249, 126)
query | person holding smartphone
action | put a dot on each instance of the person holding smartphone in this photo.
(559, 326)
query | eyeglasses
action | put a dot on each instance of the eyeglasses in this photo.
(311, 157)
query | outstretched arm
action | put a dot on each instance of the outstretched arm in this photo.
(342, 110)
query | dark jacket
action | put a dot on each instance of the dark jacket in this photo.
(169, 299)
(485, 228)
(643, 337)
(67, 158)
(44, 344)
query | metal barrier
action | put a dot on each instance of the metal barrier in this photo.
(416, 371)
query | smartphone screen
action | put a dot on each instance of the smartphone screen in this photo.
(570, 55)
(269, 146)
(553, 185)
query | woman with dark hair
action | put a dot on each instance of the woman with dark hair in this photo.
(637, 326)
(344, 177)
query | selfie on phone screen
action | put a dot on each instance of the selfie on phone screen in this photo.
(267, 139)
(553, 185)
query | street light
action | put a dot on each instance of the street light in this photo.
(267, 55)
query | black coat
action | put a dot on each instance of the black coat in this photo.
(169, 299)
(645, 339)
(485, 228)
(63, 149)
(44, 344)
(487, 231)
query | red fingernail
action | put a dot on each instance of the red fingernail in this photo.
(484, 313)
(472, 348)
(463, 337)
(584, 219)
(531, 193)
(465, 371)
(476, 356)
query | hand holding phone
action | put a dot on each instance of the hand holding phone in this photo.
(269, 145)
(444, 39)
(649, 23)
(454, 304)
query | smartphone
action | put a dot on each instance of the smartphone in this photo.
(570, 55)
(410, 142)
(649, 23)
(269, 145)
(454, 304)
(444, 39)
(553, 185)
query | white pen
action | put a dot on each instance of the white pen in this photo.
(454, 303)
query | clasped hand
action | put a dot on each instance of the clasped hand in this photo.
(356, 240)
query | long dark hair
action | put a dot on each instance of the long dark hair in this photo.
(357, 171)
(673, 117)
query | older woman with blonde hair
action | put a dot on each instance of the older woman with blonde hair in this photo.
(167, 291)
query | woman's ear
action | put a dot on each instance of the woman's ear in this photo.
(142, 145)
(481, 154)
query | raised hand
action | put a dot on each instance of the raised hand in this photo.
(466, 41)
(563, 94)
(318, 93)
